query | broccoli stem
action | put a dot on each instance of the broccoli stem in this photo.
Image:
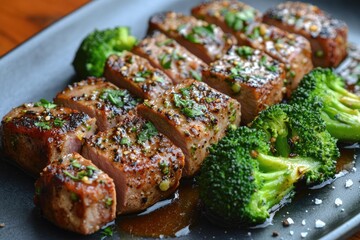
(341, 125)
(282, 146)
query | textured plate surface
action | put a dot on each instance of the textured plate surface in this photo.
(42, 66)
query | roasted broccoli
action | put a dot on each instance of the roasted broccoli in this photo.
(325, 92)
(97, 46)
(245, 174)
(293, 130)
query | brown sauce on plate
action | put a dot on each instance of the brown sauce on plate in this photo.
(172, 220)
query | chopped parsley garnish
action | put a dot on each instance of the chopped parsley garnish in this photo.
(166, 59)
(125, 141)
(148, 131)
(268, 66)
(188, 106)
(245, 51)
(255, 33)
(75, 163)
(199, 32)
(108, 202)
(45, 103)
(107, 232)
(196, 75)
(263, 60)
(74, 197)
(164, 43)
(119, 98)
(235, 71)
(58, 122)
(43, 125)
(141, 76)
(238, 20)
(271, 68)
(89, 172)
(164, 167)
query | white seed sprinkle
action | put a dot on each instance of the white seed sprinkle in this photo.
(304, 234)
(338, 202)
(348, 183)
(318, 201)
(290, 221)
(354, 169)
(333, 187)
(306, 211)
(342, 210)
(319, 224)
(291, 233)
(303, 222)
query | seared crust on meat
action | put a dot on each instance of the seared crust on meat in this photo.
(165, 53)
(75, 195)
(145, 165)
(193, 116)
(137, 75)
(230, 15)
(250, 76)
(204, 40)
(292, 50)
(99, 99)
(327, 36)
(34, 136)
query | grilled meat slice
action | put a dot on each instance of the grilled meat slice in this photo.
(145, 165)
(193, 116)
(292, 50)
(327, 36)
(250, 76)
(136, 74)
(99, 99)
(165, 53)
(205, 40)
(34, 135)
(231, 15)
(75, 195)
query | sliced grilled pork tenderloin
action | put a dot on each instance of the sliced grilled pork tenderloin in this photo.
(193, 116)
(136, 74)
(99, 99)
(75, 195)
(243, 22)
(166, 54)
(145, 165)
(34, 135)
(250, 76)
(205, 40)
(231, 15)
(327, 36)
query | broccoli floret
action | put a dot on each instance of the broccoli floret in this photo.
(252, 169)
(297, 131)
(325, 92)
(240, 180)
(97, 46)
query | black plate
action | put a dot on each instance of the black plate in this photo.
(42, 66)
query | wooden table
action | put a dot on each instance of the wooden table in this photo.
(20, 19)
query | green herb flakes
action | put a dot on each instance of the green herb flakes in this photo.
(148, 131)
(45, 103)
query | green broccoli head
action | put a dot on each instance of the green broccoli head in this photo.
(97, 46)
(241, 181)
(296, 131)
(324, 91)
